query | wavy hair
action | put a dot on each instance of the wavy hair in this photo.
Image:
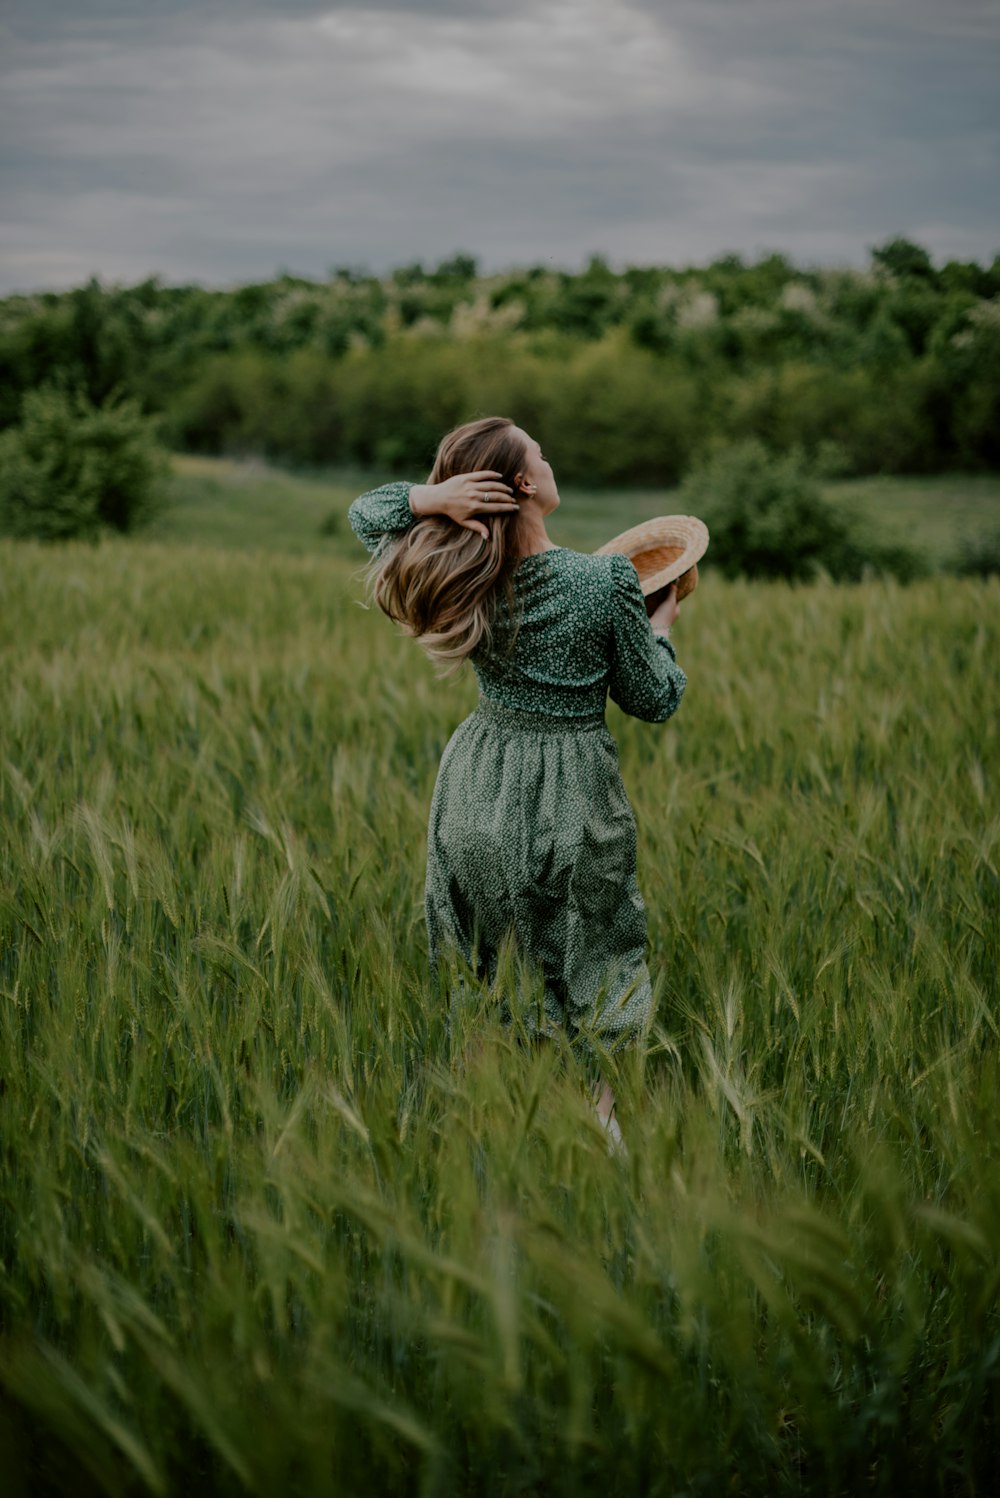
(442, 582)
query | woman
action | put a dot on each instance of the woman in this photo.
(531, 832)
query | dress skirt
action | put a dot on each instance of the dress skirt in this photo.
(532, 835)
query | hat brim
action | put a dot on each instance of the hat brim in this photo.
(663, 551)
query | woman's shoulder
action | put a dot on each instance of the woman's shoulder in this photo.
(580, 571)
(612, 573)
(589, 584)
(577, 564)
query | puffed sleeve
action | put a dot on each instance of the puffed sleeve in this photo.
(382, 513)
(645, 678)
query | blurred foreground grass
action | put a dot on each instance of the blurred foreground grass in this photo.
(278, 1215)
(220, 501)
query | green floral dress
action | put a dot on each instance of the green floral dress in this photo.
(531, 832)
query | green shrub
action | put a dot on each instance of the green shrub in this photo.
(769, 518)
(979, 556)
(73, 469)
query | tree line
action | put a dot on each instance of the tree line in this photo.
(635, 376)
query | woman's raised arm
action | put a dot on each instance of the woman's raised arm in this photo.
(645, 679)
(393, 508)
(381, 513)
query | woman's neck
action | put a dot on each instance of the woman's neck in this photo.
(533, 536)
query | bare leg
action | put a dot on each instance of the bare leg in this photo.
(604, 1103)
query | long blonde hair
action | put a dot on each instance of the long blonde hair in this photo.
(442, 582)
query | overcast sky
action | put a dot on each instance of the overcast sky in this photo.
(223, 140)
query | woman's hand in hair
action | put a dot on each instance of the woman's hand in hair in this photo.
(464, 497)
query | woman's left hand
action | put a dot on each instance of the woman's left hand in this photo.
(666, 612)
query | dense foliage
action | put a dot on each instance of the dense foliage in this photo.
(628, 377)
(74, 469)
(769, 518)
(278, 1215)
(979, 556)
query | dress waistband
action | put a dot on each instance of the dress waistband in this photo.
(512, 717)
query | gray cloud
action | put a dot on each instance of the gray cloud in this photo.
(220, 140)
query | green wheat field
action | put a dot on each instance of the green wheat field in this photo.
(279, 1215)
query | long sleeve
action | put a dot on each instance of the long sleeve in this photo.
(383, 512)
(645, 678)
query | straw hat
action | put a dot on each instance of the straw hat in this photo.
(663, 551)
